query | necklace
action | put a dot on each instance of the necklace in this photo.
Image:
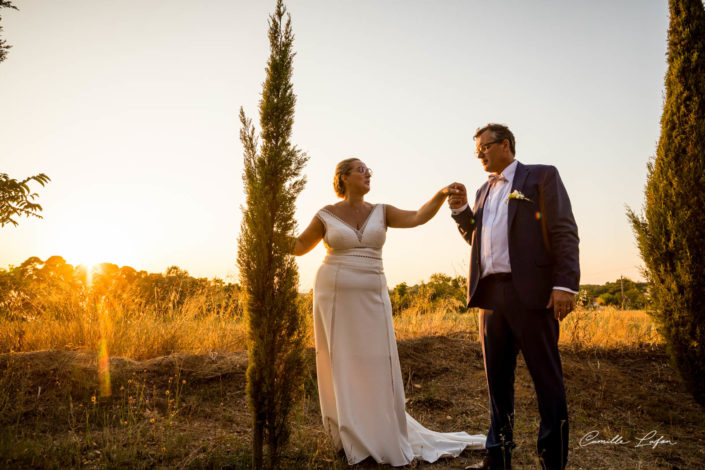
(356, 213)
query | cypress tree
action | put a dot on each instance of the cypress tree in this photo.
(268, 273)
(671, 232)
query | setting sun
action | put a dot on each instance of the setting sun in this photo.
(93, 242)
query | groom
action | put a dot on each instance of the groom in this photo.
(524, 275)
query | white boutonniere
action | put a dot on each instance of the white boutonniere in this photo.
(516, 194)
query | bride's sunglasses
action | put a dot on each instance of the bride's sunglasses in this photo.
(363, 170)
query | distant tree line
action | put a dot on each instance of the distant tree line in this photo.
(449, 293)
(58, 289)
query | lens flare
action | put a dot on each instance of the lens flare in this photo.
(104, 368)
(538, 215)
(106, 331)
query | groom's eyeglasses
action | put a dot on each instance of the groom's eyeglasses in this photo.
(484, 147)
(363, 170)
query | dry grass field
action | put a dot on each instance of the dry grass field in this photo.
(143, 334)
(169, 392)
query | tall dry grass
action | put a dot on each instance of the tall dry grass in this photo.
(415, 323)
(128, 329)
(138, 332)
(605, 328)
(609, 327)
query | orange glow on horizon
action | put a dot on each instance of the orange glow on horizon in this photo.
(92, 242)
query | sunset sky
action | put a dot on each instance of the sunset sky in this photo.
(131, 109)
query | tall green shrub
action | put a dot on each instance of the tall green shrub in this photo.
(671, 232)
(268, 273)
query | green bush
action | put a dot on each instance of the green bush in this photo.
(671, 232)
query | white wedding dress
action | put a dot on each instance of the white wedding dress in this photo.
(359, 377)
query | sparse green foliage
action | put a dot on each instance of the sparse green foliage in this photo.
(441, 291)
(635, 294)
(3, 46)
(16, 198)
(268, 273)
(670, 234)
(446, 293)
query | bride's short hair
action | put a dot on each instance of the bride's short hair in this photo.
(341, 169)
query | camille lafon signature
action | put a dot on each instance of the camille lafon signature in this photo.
(651, 439)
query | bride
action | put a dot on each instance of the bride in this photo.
(359, 377)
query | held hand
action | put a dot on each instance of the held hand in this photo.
(450, 190)
(458, 198)
(563, 303)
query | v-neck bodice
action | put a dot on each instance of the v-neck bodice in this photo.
(341, 238)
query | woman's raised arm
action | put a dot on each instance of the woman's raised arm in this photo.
(398, 218)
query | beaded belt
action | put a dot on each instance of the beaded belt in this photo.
(361, 256)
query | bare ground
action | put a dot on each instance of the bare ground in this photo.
(52, 414)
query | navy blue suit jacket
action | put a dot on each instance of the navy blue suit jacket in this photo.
(543, 236)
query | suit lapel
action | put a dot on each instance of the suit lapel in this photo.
(478, 211)
(481, 198)
(517, 184)
(480, 206)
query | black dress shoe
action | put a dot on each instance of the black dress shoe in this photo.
(491, 463)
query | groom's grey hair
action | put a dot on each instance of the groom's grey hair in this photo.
(500, 132)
